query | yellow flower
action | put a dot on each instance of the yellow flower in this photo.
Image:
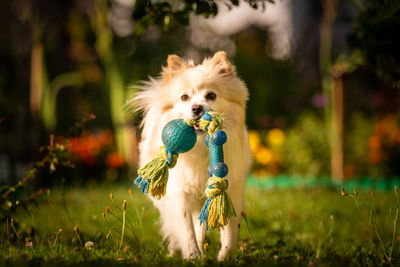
(263, 155)
(276, 137)
(254, 139)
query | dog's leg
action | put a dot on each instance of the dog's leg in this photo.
(193, 250)
(229, 233)
(177, 226)
(167, 226)
(200, 231)
(177, 217)
(189, 246)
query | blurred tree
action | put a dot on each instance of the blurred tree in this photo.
(372, 45)
(374, 33)
(169, 14)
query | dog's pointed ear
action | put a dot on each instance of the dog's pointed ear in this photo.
(221, 64)
(175, 66)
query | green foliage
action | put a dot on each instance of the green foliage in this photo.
(147, 13)
(370, 147)
(167, 16)
(20, 195)
(367, 211)
(374, 30)
(54, 155)
(356, 149)
(306, 149)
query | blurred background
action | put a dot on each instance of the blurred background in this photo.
(323, 77)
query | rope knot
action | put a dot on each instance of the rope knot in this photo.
(192, 122)
(203, 124)
(169, 157)
(215, 186)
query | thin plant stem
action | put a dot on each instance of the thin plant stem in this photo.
(355, 200)
(56, 239)
(115, 230)
(139, 216)
(110, 225)
(248, 227)
(30, 174)
(394, 232)
(14, 230)
(380, 241)
(123, 226)
(329, 232)
(395, 222)
(115, 216)
(129, 225)
(78, 237)
(318, 252)
(373, 223)
(8, 232)
(371, 210)
(26, 178)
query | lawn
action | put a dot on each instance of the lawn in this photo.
(285, 227)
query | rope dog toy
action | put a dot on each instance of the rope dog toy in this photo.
(179, 136)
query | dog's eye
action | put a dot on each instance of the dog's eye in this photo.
(211, 96)
(184, 97)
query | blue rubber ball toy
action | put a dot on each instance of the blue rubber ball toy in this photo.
(178, 136)
(220, 169)
(219, 138)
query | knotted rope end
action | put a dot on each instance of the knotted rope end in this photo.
(218, 208)
(153, 177)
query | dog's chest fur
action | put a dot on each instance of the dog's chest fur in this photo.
(189, 176)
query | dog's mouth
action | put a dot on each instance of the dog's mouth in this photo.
(198, 130)
(197, 117)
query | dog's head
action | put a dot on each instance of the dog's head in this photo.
(186, 90)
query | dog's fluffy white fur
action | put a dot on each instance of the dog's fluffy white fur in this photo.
(212, 85)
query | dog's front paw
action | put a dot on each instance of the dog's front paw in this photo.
(225, 253)
(192, 255)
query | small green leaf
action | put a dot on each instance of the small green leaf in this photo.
(388, 9)
(4, 188)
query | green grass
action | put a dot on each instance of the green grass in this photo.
(290, 227)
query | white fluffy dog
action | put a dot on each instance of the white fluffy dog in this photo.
(185, 90)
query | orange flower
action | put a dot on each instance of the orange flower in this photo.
(114, 160)
(386, 125)
(105, 138)
(86, 148)
(395, 138)
(375, 156)
(374, 142)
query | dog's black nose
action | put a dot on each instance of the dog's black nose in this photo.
(197, 109)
